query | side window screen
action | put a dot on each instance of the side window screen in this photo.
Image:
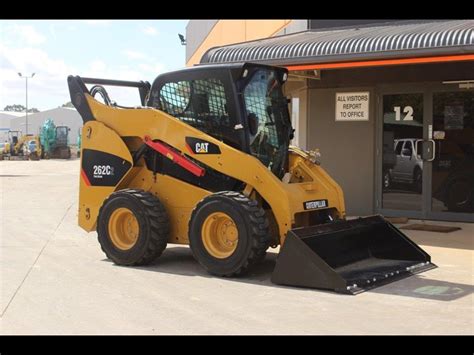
(200, 103)
(175, 97)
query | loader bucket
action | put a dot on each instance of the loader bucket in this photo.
(348, 256)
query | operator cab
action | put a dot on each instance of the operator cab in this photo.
(242, 105)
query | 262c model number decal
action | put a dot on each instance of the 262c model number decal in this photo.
(101, 170)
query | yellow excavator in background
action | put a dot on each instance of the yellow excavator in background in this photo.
(206, 160)
(32, 148)
(13, 139)
(4, 149)
(21, 146)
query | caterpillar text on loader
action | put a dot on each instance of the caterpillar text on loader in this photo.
(206, 161)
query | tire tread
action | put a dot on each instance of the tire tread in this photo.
(259, 229)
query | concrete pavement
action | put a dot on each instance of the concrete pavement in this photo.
(56, 280)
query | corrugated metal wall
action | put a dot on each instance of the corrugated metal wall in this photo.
(196, 32)
(61, 116)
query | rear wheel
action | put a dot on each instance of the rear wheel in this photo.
(133, 227)
(418, 180)
(64, 153)
(34, 156)
(228, 233)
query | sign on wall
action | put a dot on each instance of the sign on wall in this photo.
(352, 106)
(295, 119)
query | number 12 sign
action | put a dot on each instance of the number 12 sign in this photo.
(408, 110)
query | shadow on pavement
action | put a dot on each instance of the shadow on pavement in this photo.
(14, 175)
(180, 261)
(419, 286)
(456, 240)
(64, 160)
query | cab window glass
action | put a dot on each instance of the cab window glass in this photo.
(201, 103)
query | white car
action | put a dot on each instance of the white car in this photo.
(408, 168)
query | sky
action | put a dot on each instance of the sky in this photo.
(111, 49)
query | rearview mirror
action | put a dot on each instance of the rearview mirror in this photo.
(253, 123)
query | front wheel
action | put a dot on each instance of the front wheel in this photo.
(228, 233)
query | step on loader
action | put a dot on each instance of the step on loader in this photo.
(205, 160)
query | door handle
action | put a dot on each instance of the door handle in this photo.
(428, 149)
(433, 154)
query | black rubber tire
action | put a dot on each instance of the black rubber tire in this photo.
(252, 224)
(418, 180)
(386, 180)
(33, 156)
(153, 222)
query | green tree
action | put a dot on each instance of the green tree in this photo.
(19, 108)
(67, 104)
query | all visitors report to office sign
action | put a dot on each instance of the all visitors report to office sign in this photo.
(352, 106)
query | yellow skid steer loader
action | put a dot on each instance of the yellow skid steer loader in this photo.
(206, 160)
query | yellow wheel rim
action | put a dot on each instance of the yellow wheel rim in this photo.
(123, 228)
(219, 235)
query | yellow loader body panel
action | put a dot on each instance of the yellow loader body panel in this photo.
(285, 199)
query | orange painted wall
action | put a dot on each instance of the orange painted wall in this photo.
(235, 31)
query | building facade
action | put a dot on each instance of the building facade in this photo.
(390, 104)
(5, 122)
(62, 116)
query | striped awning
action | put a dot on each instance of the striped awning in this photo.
(400, 40)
